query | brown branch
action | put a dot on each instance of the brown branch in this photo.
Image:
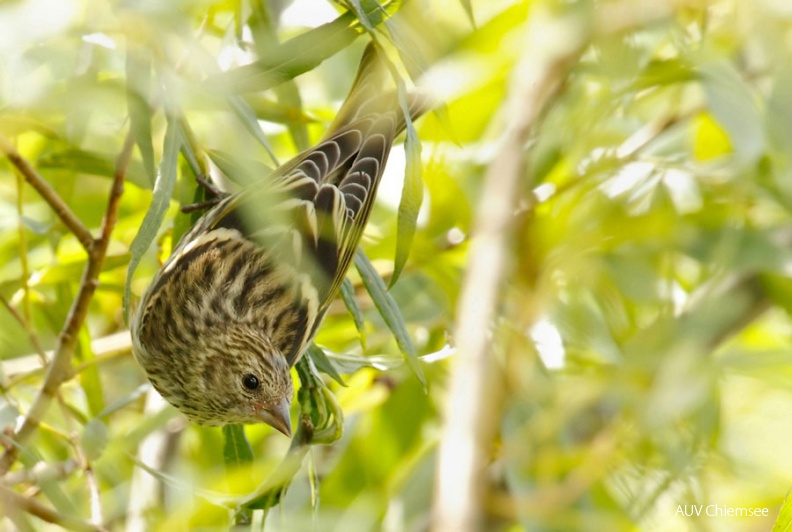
(60, 369)
(11, 501)
(46, 191)
(555, 42)
(472, 409)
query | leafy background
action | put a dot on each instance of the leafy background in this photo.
(639, 343)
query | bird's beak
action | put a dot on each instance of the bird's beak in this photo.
(277, 416)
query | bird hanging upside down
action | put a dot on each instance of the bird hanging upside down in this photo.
(244, 292)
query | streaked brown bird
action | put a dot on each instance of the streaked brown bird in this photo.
(245, 290)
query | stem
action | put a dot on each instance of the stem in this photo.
(60, 369)
(471, 407)
(49, 195)
(11, 501)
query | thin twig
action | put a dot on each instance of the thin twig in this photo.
(11, 501)
(60, 369)
(42, 472)
(26, 367)
(46, 191)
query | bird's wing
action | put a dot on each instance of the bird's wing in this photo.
(312, 216)
(309, 214)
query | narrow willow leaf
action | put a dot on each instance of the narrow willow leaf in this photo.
(249, 119)
(66, 270)
(784, 521)
(280, 112)
(138, 75)
(299, 54)
(323, 363)
(172, 481)
(94, 439)
(348, 297)
(289, 94)
(93, 163)
(468, 7)
(163, 190)
(265, 37)
(389, 311)
(122, 402)
(241, 172)
(188, 151)
(236, 447)
(357, 8)
(735, 106)
(90, 382)
(270, 493)
(410, 204)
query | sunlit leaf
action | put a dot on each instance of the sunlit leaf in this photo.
(324, 364)
(94, 439)
(163, 190)
(245, 114)
(410, 204)
(138, 71)
(390, 312)
(710, 139)
(90, 380)
(348, 297)
(783, 522)
(86, 162)
(297, 55)
(734, 105)
(236, 447)
(241, 172)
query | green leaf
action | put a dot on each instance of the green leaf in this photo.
(468, 7)
(784, 521)
(236, 447)
(93, 163)
(67, 270)
(241, 172)
(163, 190)
(138, 75)
(734, 106)
(188, 151)
(323, 363)
(348, 297)
(299, 54)
(285, 111)
(390, 312)
(356, 7)
(90, 381)
(94, 439)
(122, 402)
(249, 119)
(265, 36)
(411, 200)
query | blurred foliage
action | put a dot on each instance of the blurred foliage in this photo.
(643, 341)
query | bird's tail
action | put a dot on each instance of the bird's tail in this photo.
(374, 92)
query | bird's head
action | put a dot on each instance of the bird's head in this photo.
(236, 376)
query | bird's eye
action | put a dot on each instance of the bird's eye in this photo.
(250, 381)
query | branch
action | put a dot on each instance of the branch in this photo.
(555, 43)
(470, 407)
(11, 501)
(46, 191)
(60, 369)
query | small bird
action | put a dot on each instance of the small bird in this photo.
(244, 291)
